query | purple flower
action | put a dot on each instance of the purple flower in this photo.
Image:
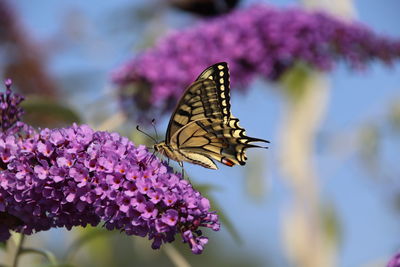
(395, 261)
(77, 176)
(170, 217)
(197, 244)
(261, 41)
(155, 195)
(10, 112)
(125, 203)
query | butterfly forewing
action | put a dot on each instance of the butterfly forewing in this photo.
(202, 99)
(219, 73)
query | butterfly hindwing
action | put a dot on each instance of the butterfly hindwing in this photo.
(216, 140)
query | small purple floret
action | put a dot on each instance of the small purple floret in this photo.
(170, 217)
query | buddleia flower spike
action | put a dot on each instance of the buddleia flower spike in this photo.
(76, 176)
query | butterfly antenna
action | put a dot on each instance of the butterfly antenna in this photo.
(153, 122)
(151, 137)
(153, 155)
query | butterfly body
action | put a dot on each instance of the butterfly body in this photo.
(202, 128)
(180, 155)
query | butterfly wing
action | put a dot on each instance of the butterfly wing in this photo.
(207, 97)
(214, 139)
(219, 73)
(202, 127)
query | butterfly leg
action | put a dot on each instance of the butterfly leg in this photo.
(183, 170)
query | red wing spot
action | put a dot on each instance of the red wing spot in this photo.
(227, 162)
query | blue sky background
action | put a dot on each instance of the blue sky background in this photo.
(369, 225)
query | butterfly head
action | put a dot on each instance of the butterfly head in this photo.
(161, 147)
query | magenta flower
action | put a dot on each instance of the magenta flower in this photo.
(77, 176)
(257, 41)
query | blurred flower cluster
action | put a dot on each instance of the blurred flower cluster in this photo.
(76, 176)
(259, 40)
(395, 261)
(10, 110)
(22, 58)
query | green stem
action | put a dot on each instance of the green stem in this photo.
(18, 250)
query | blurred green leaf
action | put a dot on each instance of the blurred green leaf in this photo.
(394, 117)
(41, 112)
(59, 265)
(45, 253)
(331, 223)
(175, 256)
(225, 221)
(3, 245)
(86, 236)
(295, 80)
(369, 143)
(256, 179)
(205, 191)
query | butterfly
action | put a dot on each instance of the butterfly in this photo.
(202, 128)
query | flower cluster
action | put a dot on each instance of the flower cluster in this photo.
(395, 261)
(77, 176)
(10, 111)
(259, 40)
